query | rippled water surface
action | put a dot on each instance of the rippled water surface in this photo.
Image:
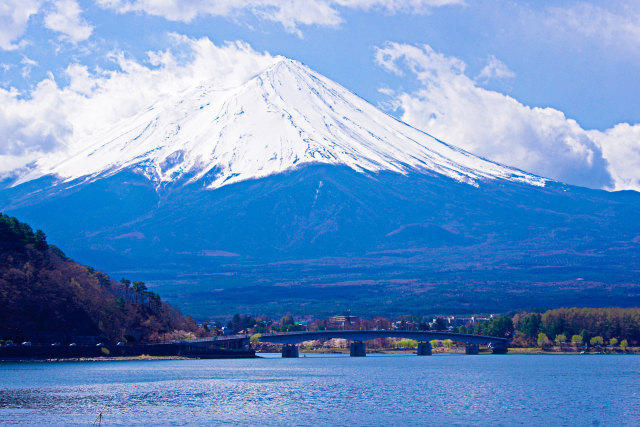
(328, 390)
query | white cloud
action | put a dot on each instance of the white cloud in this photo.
(62, 16)
(27, 65)
(452, 107)
(621, 147)
(615, 24)
(395, 6)
(289, 13)
(38, 123)
(14, 17)
(495, 69)
(57, 120)
(66, 19)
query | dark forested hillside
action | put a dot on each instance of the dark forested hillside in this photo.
(46, 296)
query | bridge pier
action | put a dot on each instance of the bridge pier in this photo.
(290, 351)
(424, 349)
(358, 349)
(472, 349)
(499, 347)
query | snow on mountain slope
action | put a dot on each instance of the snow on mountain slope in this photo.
(282, 118)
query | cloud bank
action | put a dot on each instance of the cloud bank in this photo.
(455, 108)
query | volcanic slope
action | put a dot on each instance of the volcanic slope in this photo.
(290, 193)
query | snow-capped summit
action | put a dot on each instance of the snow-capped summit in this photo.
(282, 118)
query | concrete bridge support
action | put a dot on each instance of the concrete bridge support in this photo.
(424, 349)
(499, 347)
(472, 349)
(358, 349)
(290, 350)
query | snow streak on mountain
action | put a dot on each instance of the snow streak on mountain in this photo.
(280, 119)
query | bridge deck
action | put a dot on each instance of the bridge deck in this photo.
(356, 335)
(351, 335)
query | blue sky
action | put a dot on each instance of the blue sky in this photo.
(550, 87)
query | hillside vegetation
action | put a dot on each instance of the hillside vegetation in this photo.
(45, 296)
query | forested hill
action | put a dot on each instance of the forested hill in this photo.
(45, 296)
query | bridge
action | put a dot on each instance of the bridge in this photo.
(240, 343)
(358, 337)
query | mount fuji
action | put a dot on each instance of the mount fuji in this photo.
(283, 118)
(289, 193)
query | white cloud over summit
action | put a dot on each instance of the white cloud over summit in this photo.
(55, 120)
(453, 107)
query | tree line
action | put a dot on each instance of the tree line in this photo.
(617, 327)
(46, 297)
(15, 234)
(594, 326)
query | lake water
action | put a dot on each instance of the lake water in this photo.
(328, 390)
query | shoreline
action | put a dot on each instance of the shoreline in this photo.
(96, 359)
(456, 351)
(461, 350)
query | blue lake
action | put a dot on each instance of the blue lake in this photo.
(328, 390)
